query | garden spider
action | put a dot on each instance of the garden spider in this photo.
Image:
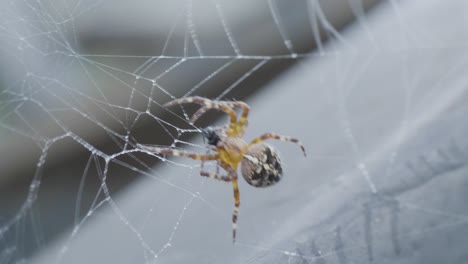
(260, 163)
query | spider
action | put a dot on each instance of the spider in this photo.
(260, 163)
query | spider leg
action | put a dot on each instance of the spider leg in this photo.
(245, 111)
(179, 153)
(216, 176)
(239, 127)
(217, 166)
(278, 137)
(242, 121)
(207, 104)
(199, 113)
(233, 175)
(235, 214)
(186, 100)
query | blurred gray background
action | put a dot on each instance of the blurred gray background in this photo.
(376, 90)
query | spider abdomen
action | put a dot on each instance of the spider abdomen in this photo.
(261, 166)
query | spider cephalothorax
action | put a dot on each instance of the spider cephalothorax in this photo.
(260, 163)
(211, 135)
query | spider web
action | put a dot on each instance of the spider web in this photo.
(379, 105)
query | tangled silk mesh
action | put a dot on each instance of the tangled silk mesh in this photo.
(67, 97)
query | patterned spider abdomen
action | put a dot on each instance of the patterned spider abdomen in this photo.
(261, 166)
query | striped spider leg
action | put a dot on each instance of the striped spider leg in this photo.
(233, 125)
(242, 122)
(277, 137)
(237, 127)
(178, 153)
